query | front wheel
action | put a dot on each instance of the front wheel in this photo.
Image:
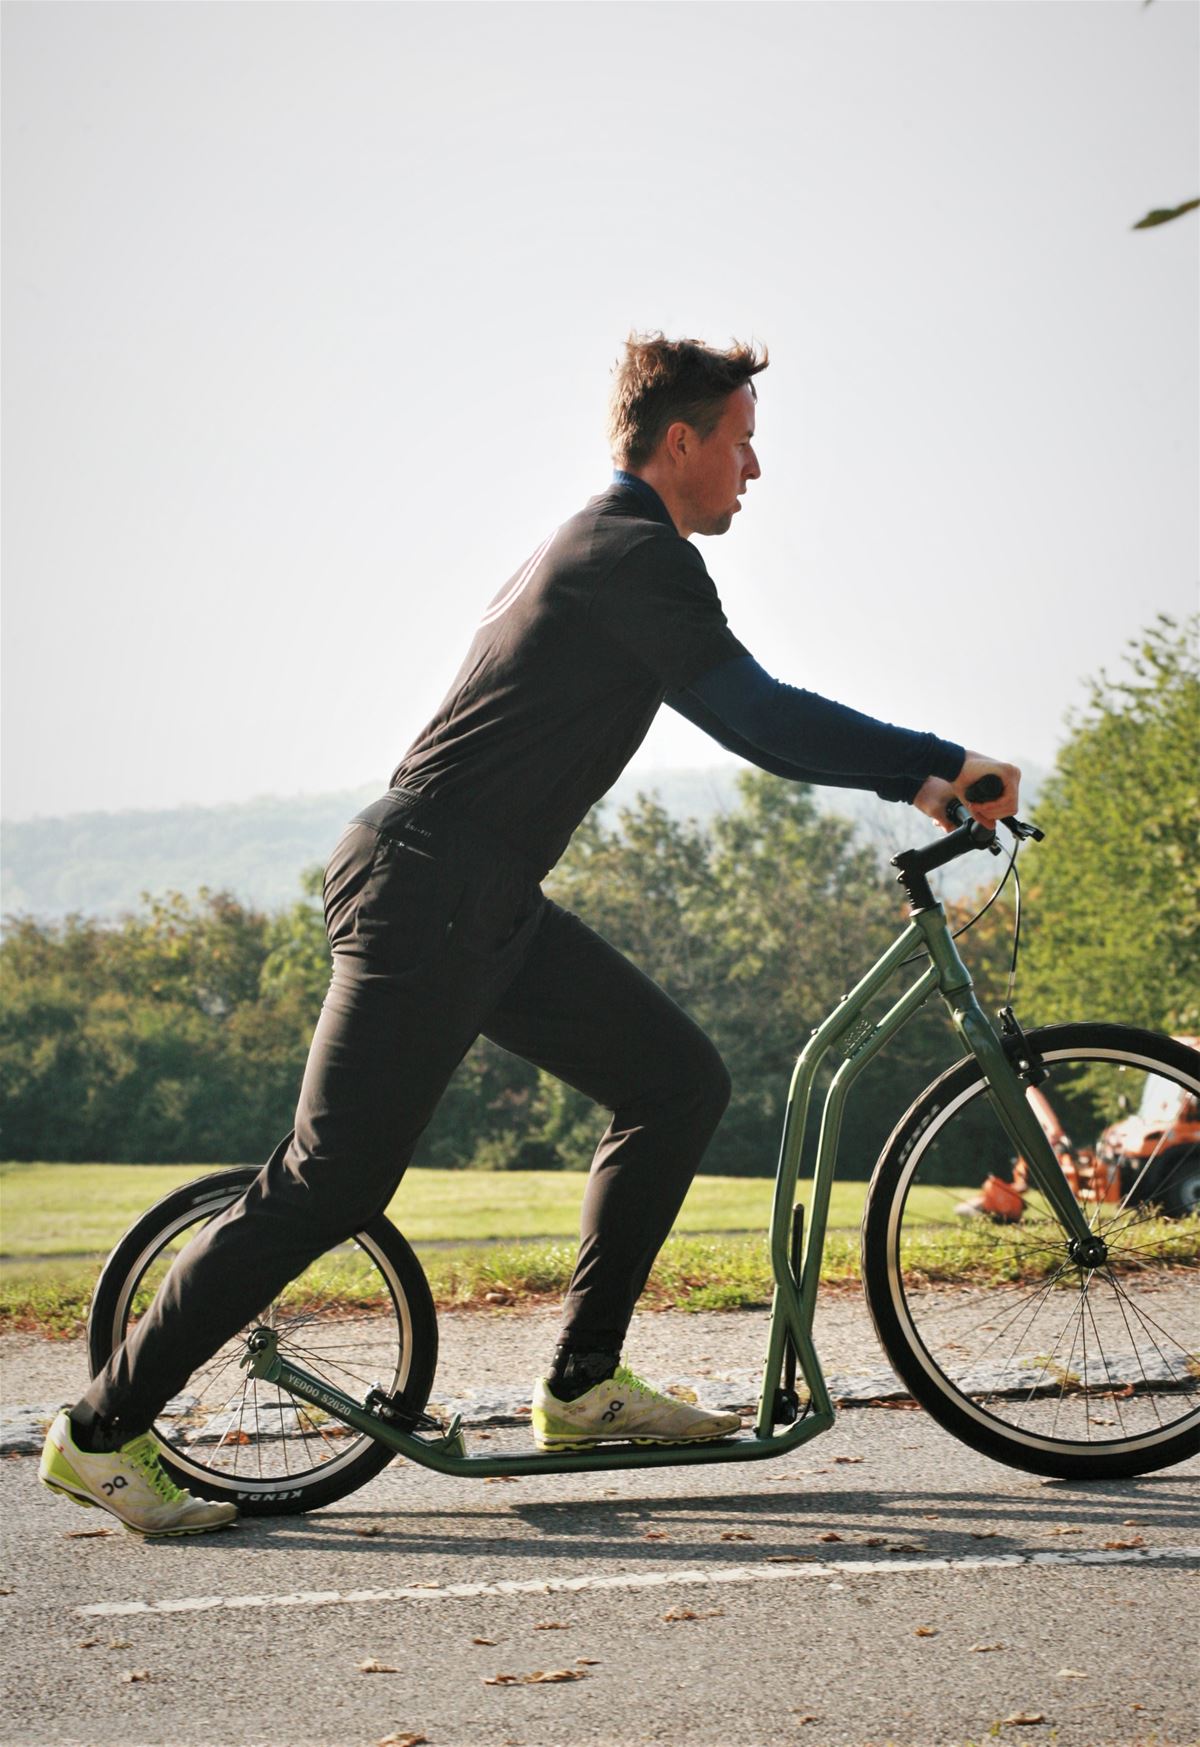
(1019, 1351)
(361, 1315)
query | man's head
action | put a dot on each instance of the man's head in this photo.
(682, 418)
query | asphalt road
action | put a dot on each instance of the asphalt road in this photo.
(882, 1585)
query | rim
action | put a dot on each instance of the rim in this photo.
(1037, 1348)
(345, 1319)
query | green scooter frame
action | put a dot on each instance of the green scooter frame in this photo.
(858, 1039)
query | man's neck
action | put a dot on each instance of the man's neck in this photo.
(651, 489)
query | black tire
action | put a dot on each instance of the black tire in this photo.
(1036, 1361)
(235, 1438)
(1174, 1181)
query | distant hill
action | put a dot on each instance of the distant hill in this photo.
(100, 864)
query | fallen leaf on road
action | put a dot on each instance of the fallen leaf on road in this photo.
(86, 1534)
(689, 1613)
(907, 1547)
(829, 1535)
(551, 1626)
(120, 1644)
(373, 1667)
(501, 1479)
(984, 1534)
(656, 1535)
(790, 1559)
(1024, 1717)
(588, 1661)
(926, 1632)
(403, 1740)
(132, 1674)
(847, 1458)
(1071, 1674)
(370, 1529)
(875, 1541)
(87, 1644)
(982, 1649)
(1131, 1522)
(737, 1535)
(803, 1717)
(1063, 1529)
(483, 1640)
(1123, 1546)
(539, 1677)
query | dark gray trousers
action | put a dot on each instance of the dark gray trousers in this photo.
(439, 934)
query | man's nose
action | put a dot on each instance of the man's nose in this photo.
(752, 468)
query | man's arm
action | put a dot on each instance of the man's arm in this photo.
(690, 704)
(808, 738)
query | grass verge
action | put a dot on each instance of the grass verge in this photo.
(692, 1273)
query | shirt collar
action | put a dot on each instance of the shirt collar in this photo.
(649, 497)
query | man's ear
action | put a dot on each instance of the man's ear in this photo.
(679, 440)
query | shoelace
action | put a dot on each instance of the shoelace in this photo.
(628, 1380)
(143, 1453)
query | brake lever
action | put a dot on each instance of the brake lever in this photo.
(958, 815)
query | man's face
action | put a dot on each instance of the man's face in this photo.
(719, 466)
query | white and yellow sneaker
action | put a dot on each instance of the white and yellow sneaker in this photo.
(624, 1410)
(131, 1483)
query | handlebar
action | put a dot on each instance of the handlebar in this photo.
(986, 788)
(915, 865)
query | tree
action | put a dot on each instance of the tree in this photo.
(1115, 907)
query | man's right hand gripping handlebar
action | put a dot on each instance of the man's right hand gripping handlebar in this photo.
(934, 795)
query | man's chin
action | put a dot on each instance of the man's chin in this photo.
(719, 524)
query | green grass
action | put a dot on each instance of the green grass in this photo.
(57, 1219)
(75, 1210)
(692, 1273)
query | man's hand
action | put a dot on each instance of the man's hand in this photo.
(934, 794)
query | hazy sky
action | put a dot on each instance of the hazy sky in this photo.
(309, 312)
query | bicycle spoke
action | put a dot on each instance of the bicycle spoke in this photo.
(1137, 1354)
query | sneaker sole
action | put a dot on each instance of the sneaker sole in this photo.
(567, 1446)
(131, 1528)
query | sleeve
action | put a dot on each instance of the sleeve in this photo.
(689, 705)
(661, 606)
(822, 741)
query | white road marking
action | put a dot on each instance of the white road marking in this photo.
(690, 1578)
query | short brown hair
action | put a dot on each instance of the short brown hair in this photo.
(659, 382)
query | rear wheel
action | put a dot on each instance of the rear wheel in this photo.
(359, 1316)
(1026, 1355)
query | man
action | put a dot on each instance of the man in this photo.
(440, 932)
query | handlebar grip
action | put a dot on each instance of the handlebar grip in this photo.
(985, 788)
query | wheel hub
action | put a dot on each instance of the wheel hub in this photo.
(1091, 1252)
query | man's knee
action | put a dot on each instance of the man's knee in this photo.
(718, 1086)
(703, 1088)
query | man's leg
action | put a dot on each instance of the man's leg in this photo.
(403, 1007)
(371, 1084)
(580, 1010)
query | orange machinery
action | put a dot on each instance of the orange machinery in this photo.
(1162, 1134)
